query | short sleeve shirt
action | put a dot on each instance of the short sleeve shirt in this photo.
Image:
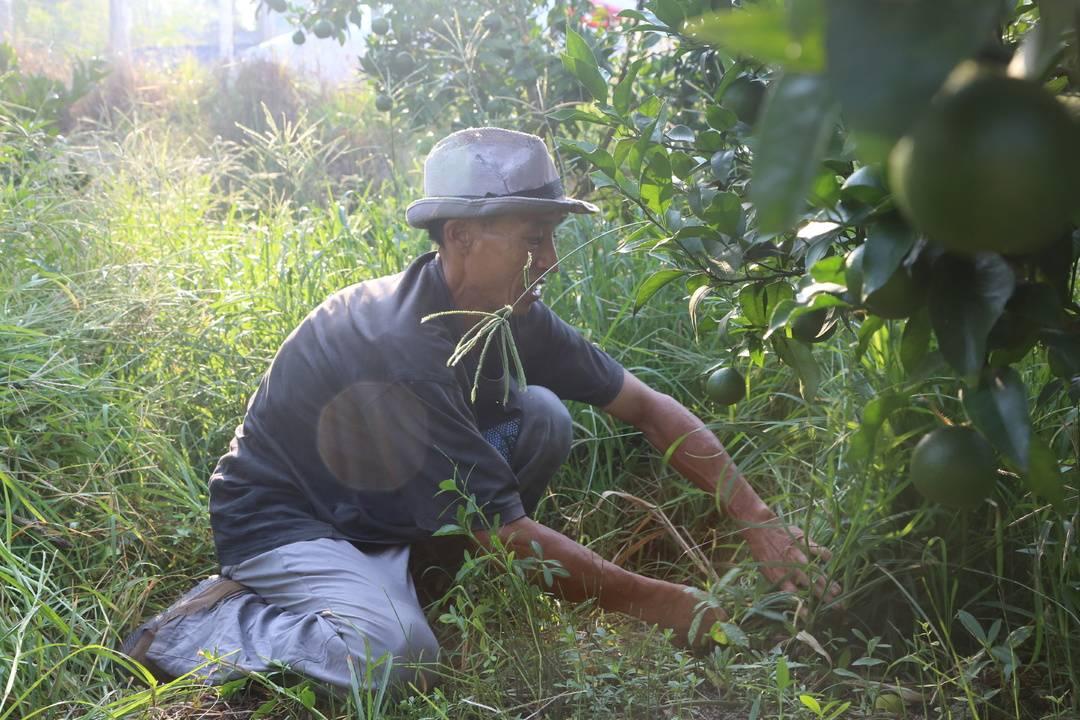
(359, 419)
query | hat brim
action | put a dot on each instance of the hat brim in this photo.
(422, 213)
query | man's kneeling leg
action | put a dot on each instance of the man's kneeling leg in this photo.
(337, 614)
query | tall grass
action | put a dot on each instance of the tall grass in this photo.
(147, 277)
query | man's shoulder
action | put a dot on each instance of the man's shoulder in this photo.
(378, 326)
(392, 289)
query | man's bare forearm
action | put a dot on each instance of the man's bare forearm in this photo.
(702, 459)
(592, 577)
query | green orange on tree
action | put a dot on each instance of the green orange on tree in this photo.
(726, 386)
(954, 466)
(380, 26)
(808, 326)
(299, 37)
(994, 165)
(323, 28)
(403, 62)
(744, 97)
(383, 102)
(277, 5)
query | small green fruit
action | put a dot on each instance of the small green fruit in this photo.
(380, 26)
(892, 704)
(954, 466)
(403, 63)
(726, 386)
(383, 102)
(807, 328)
(299, 37)
(277, 5)
(323, 28)
(745, 97)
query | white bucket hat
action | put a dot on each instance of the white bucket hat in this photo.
(490, 171)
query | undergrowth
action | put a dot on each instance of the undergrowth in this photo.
(147, 278)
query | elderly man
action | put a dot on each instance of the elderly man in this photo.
(335, 472)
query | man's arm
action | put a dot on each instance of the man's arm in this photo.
(782, 550)
(615, 589)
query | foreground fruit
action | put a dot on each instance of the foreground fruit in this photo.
(992, 166)
(299, 38)
(277, 5)
(954, 466)
(726, 386)
(897, 298)
(383, 103)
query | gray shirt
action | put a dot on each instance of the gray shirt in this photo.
(359, 419)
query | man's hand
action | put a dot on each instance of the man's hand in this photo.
(657, 602)
(785, 555)
(783, 551)
(676, 607)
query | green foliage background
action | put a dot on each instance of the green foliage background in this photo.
(150, 264)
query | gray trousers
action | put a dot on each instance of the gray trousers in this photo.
(332, 612)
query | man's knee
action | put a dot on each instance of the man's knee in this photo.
(545, 423)
(404, 638)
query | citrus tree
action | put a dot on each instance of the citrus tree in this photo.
(437, 66)
(909, 170)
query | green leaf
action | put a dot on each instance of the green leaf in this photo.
(967, 296)
(1043, 477)
(724, 633)
(624, 91)
(792, 136)
(998, 408)
(682, 165)
(581, 62)
(876, 412)
(882, 98)
(869, 328)
(972, 626)
(811, 703)
(565, 114)
(669, 12)
(652, 285)
(769, 32)
(887, 244)
(724, 213)
(720, 118)
(757, 301)
(829, 270)
(597, 156)
(781, 314)
(680, 133)
(710, 141)
(799, 357)
(915, 342)
(783, 677)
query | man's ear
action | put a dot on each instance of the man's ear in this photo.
(458, 235)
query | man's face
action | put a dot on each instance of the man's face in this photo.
(508, 256)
